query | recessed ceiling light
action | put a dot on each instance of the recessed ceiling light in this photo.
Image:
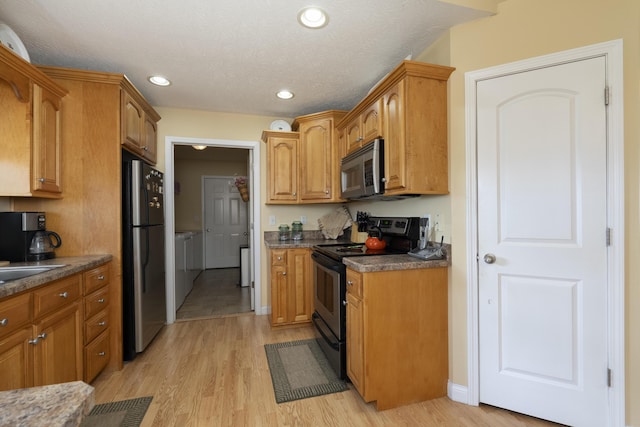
(285, 94)
(159, 80)
(199, 147)
(313, 17)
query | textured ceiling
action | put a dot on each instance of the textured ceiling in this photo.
(233, 55)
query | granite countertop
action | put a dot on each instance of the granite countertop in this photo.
(363, 264)
(72, 265)
(54, 405)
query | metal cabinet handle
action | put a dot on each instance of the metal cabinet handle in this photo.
(4, 322)
(41, 179)
(284, 273)
(344, 303)
(101, 301)
(349, 282)
(295, 194)
(279, 258)
(101, 277)
(103, 323)
(42, 336)
(65, 294)
(102, 354)
(489, 258)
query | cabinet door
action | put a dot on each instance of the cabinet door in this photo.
(46, 175)
(372, 122)
(282, 169)
(279, 295)
(150, 139)
(394, 139)
(353, 135)
(300, 285)
(316, 160)
(16, 360)
(132, 117)
(355, 342)
(58, 352)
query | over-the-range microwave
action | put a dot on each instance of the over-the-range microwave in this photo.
(362, 172)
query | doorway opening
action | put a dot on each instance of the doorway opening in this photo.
(193, 220)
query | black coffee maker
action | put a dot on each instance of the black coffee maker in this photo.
(24, 237)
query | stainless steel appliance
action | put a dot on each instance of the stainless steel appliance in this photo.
(24, 237)
(362, 172)
(143, 256)
(329, 281)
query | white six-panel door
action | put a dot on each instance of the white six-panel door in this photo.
(226, 225)
(542, 297)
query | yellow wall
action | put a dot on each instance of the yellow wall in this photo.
(522, 29)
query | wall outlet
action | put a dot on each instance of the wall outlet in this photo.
(303, 219)
(272, 220)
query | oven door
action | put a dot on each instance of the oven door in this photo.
(329, 291)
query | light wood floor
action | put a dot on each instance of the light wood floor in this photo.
(216, 292)
(214, 372)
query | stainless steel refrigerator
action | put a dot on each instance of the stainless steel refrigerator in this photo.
(143, 256)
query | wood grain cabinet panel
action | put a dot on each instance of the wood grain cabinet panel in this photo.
(291, 286)
(97, 321)
(16, 360)
(397, 335)
(30, 125)
(304, 166)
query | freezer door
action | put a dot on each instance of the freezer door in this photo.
(147, 188)
(149, 283)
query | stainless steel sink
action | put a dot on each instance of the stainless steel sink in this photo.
(14, 273)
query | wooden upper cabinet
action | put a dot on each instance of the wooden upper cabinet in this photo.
(365, 127)
(139, 126)
(47, 110)
(30, 125)
(315, 160)
(304, 166)
(282, 166)
(408, 109)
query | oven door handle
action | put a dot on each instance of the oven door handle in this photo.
(319, 327)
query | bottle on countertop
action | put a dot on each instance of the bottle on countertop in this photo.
(284, 232)
(296, 230)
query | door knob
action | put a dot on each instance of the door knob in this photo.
(489, 258)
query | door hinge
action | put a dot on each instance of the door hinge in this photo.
(609, 375)
(606, 95)
(608, 236)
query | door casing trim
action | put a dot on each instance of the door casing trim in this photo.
(613, 52)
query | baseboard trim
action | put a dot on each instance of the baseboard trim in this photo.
(458, 393)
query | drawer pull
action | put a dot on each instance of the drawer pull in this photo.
(101, 301)
(102, 354)
(4, 322)
(349, 282)
(65, 294)
(101, 277)
(42, 336)
(103, 323)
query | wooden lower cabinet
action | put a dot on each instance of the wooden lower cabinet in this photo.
(57, 355)
(291, 286)
(52, 334)
(397, 339)
(97, 326)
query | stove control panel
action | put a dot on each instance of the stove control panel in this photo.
(397, 226)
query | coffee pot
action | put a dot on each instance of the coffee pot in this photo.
(42, 246)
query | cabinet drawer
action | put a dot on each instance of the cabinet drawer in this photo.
(96, 278)
(279, 257)
(56, 295)
(14, 313)
(96, 356)
(354, 283)
(96, 325)
(95, 302)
